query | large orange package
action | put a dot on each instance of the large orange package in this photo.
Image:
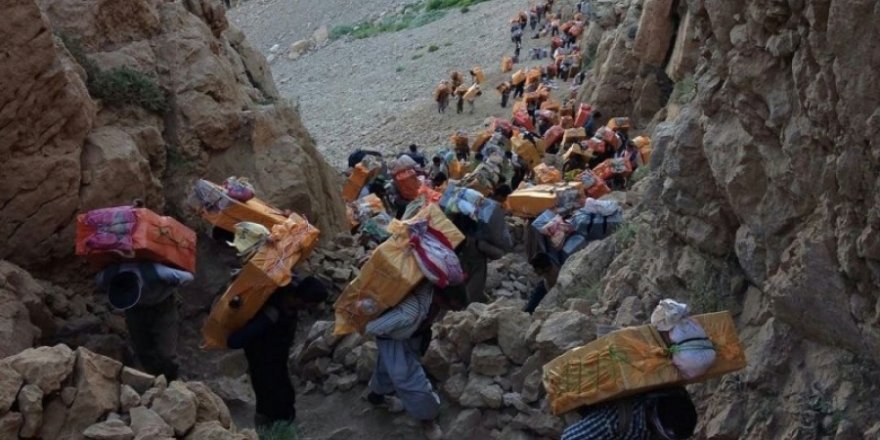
(553, 135)
(389, 275)
(619, 123)
(506, 64)
(522, 119)
(531, 202)
(225, 212)
(551, 105)
(407, 184)
(631, 361)
(613, 167)
(574, 135)
(126, 233)
(533, 76)
(479, 76)
(528, 151)
(518, 77)
(583, 114)
(459, 141)
(360, 175)
(270, 268)
(643, 143)
(545, 174)
(481, 140)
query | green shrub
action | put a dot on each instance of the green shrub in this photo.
(341, 31)
(279, 431)
(433, 48)
(399, 69)
(625, 235)
(684, 91)
(416, 56)
(123, 85)
(120, 85)
(465, 10)
(435, 5)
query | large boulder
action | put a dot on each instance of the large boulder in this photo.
(209, 406)
(145, 423)
(45, 367)
(30, 404)
(109, 430)
(10, 383)
(482, 392)
(47, 116)
(10, 424)
(563, 331)
(97, 392)
(488, 360)
(178, 406)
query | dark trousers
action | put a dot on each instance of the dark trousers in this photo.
(504, 98)
(459, 106)
(536, 297)
(153, 333)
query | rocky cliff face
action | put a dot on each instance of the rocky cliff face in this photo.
(763, 197)
(109, 100)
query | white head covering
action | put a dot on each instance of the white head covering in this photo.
(667, 314)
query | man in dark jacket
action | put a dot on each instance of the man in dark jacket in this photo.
(414, 154)
(358, 155)
(266, 340)
(548, 269)
(593, 123)
(145, 292)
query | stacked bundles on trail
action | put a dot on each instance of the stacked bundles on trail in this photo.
(360, 176)
(634, 360)
(271, 267)
(125, 233)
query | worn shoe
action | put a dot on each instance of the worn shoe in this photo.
(432, 430)
(390, 403)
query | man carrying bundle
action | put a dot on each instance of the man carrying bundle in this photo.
(399, 382)
(266, 340)
(145, 292)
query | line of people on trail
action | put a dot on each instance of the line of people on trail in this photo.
(456, 87)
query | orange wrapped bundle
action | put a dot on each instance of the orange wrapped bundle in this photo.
(643, 143)
(349, 214)
(518, 77)
(522, 119)
(619, 123)
(574, 135)
(481, 140)
(594, 186)
(224, 212)
(389, 275)
(553, 135)
(459, 141)
(552, 70)
(479, 76)
(551, 105)
(533, 76)
(531, 202)
(567, 112)
(633, 360)
(125, 233)
(270, 268)
(613, 167)
(567, 122)
(545, 174)
(506, 64)
(407, 184)
(583, 114)
(359, 177)
(528, 151)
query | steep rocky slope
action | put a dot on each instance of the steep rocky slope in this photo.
(763, 198)
(112, 100)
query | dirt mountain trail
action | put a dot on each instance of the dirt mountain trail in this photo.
(377, 92)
